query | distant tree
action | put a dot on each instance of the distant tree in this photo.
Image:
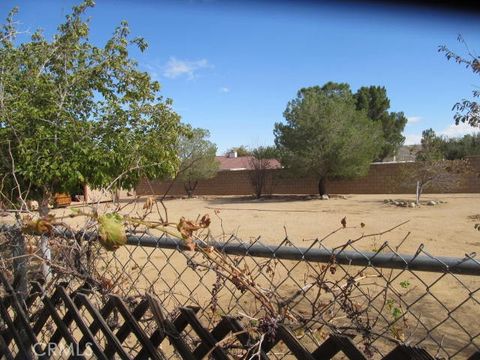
(431, 147)
(261, 162)
(326, 136)
(430, 169)
(459, 148)
(266, 152)
(468, 111)
(374, 101)
(198, 161)
(241, 150)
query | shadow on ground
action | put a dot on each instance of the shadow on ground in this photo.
(246, 199)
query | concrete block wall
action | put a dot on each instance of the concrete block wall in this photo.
(381, 179)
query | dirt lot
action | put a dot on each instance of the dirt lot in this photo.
(445, 229)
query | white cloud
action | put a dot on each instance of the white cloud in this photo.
(413, 119)
(175, 67)
(224, 89)
(412, 139)
(459, 130)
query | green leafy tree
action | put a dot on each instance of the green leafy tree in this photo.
(261, 161)
(431, 147)
(241, 150)
(374, 101)
(74, 113)
(198, 160)
(460, 148)
(266, 152)
(326, 136)
(467, 111)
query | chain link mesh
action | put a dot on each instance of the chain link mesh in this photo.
(379, 307)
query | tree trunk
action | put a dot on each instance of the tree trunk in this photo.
(322, 186)
(419, 192)
(20, 263)
(188, 191)
(258, 192)
(259, 183)
(190, 188)
(20, 280)
(45, 252)
(116, 196)
(43, 208)
(85, 193)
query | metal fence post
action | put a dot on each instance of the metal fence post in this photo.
(20, 275)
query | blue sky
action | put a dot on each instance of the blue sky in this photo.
(232, 68)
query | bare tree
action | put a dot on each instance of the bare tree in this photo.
(440, 174)
(431, 170)
(261, 162)
(198, 161)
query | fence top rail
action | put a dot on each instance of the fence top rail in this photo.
(382, 258)
(468, 265)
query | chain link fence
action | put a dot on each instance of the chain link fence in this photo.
(379, 298)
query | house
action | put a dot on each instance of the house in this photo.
(406, 153)
(232, 162)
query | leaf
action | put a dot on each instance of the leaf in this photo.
(188, 227)
(111, 231)
(40, 226)
(396, 312)
(149, 203)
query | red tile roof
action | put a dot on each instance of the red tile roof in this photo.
(242, 163)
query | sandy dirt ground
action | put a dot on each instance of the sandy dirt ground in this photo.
(444, 229)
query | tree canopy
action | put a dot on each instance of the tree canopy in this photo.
(265, 152)
(198, 160)
(374, 101)
(459, 148)
(72, 112)
(431, 147)
(326, 136)
(449, 148)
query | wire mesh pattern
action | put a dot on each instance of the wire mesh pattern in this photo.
(317, 294)
(85, 341)
(382, 306)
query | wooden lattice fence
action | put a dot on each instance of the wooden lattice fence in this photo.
(19, 336)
